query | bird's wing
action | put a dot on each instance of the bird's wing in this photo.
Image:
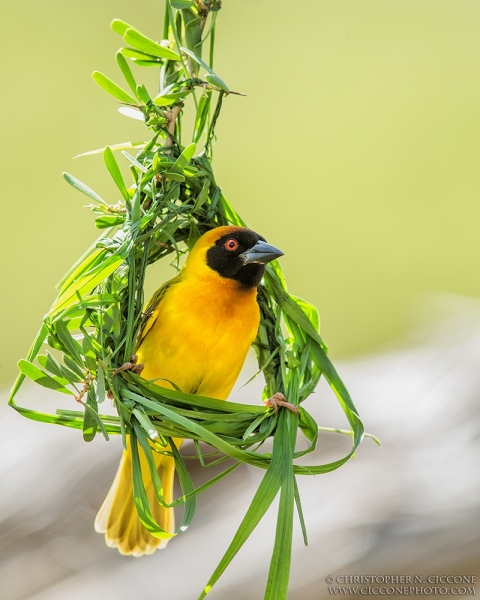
(150, 313)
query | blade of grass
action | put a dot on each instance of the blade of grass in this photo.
(264, 496)
(81, 187)
(126, 72)
(42, 378)
(114, 170)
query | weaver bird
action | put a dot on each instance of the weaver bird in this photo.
(196, 333)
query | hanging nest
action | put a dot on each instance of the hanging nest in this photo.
(92, 326)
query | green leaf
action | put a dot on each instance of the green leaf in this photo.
(174, 176)
(309, 309)
(135, 162)
(100, 387)
(202, 115)
(109, 221)
(193, 33)
(147, 451)
(170, 98)
(120, 26)
(88, 262)
(126, 72)
(143, 94)
(184, 158)
(277, 585)
(72, 365)
(217, 82)
(90, 420)
(136, 55)
(81, 187)
(191, 171)
(112, 88)
(114, 170)
(215, 197)
(40, 417)
(298, 504)
(146, 424)
(308, 425)
(89, 354)
(179, 4)
(145, 44)
(140, 495)
(230, 213)
(197, 59)
(188, 489)
(254, 425)
(193, 236)
(146, 63)
(51, 364)
(278, 576)
(340, 391)
(42, 378)
(68, 342)
(290, 306)
(107, 423)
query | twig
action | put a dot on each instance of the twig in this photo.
(171, 116)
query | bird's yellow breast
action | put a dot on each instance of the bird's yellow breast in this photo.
(201, 333)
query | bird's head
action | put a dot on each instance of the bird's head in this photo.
(237, 254)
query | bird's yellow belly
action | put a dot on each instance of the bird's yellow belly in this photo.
(200, 346)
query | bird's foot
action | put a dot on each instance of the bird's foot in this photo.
(133, 365)
(279, 400)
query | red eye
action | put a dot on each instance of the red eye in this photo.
(231, 244)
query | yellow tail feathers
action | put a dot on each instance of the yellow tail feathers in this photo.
(118, 517)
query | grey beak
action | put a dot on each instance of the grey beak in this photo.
(261, 253)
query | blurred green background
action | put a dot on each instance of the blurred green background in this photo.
(356, 150)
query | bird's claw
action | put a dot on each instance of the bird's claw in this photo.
(132, 365)
(279, 400)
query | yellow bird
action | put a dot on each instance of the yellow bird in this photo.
(196, 333)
